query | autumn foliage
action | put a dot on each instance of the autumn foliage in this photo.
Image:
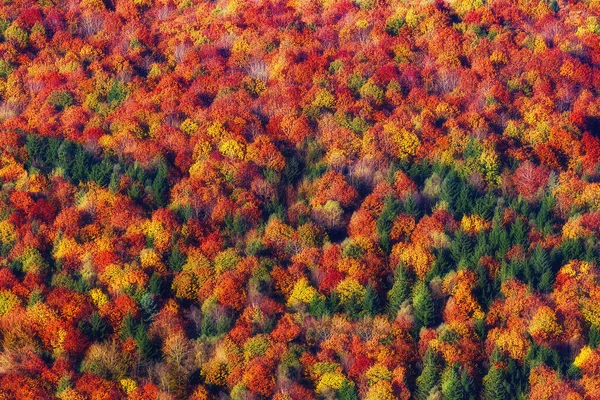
(282, 199)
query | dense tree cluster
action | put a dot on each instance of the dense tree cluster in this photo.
(333, 199)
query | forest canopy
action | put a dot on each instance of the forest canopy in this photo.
(297, 199)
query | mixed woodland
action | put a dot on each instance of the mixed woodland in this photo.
(299, 199)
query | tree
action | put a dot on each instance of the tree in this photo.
(494, 384)
(542, 270)
(424, 307)
(391, 207)
(430, 375)
(370, 303)
(399, 292)
(451, 384)
(160, 185)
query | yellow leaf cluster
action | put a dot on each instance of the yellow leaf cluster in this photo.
(472, 224)
(303, 292)
(407, 141)
(416, 257)
(572, 229)
(544, 324)
(119, 278)
(232, 148)
(330, 380)
(378, 373)
(99, 298)
(65, 246)
(189, 126)
(32, 260)
(8, 300)
(349, 289)
(582, 357)
(381, 390)
(510, 341)
(128, 385)
(150, 259)
(8, 233)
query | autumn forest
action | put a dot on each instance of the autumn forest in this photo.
(300, 199)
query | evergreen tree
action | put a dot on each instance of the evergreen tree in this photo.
(370, 302)
(464, 204)
(51, 154)
(144, 344)
(451, 187)
(81, 164)
(482, 247)
(176, 259)
(594, 337)
(411, 207)
(451, 384)
(65, 157)
(160, 186)
(35, 146)
(485, 288)
(494, 384)
(469, 389)
(101, 172)
(484, 206)
(542, 270)
(399, 292)
(571, 249)
(391, 207)
(94, 327)
(423, 305)
(430, 375)
(208, 328)
(347, 391)
(317, 306)
(128, 327)
(518, 233)
(516, 382)
(148, 307)
(543, 219)
(333, 303)
(461, 247)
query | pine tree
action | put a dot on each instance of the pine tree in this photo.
(484, 206)
(399, 292)
(482, 247)
(461, 246)
(65, 157)
(391, 208)
(333, 303)
(317, 306)
(347, 391)
(423, 305)
(430, 375)
(81, 165)
(51, 154)
(35, 146)
(144, 344)
(148, 307)
(176, 259)
(468, 385)
(494, 384)
(540, 264)
(518, 234)
(594, 337)
(160, 186)
(451, 385)
(128, 327)
(370, 302)
(451, 187)
(411, 207)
